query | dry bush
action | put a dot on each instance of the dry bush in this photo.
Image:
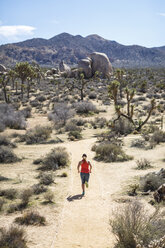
(99, 122)
(75, 135)
(158, 136)
(109, 152)
(9, 193)
(139, 143)
(1, 203)
(58, 157)
(25, 196)
(4, 141)
(13, 237)
(143, 164)
(37, 135)
(7, 155)
(30, 218)
(46, 178)
(49, 196)
(160, 243)
(123, 126)
(85, 107)
(11, 118)
(151, 181)
(38, 189)
(133, 220)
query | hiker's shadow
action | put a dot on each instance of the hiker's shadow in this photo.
(74, 197)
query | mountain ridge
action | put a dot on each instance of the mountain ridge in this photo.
(71, 48)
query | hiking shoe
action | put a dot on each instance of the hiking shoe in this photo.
(83, 193)
(86, 184)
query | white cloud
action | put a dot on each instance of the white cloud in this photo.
(15, 31)
(161, 14)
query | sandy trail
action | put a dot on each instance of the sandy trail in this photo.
(84, 221)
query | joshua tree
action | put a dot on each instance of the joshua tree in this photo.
(13, 76)
(113, 93)
(119, 76)
(4, 79)
(23, 70)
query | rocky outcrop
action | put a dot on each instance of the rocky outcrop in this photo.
(101, 63)
(96, 62)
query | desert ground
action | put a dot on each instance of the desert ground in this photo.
(73, 220)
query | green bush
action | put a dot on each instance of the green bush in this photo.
(58, 157)
(13, 237)
(74, 135)
(109, 152)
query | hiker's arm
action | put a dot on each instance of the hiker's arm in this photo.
(90, 167)
(78, 166)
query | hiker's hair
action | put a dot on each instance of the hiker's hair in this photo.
(84, 155)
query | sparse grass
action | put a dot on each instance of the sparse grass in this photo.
(30, 218)
(13, 237)
(109, 152)
(143, 164)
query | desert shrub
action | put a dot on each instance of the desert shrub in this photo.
(1, 203)
(13, 207)
(64, 174)
(109, 152)
(2, 126)
(41, 98)
(58, 157)
(37, 161)
(151, 181)
(71, 126)
(143, 164)
(26, 112)
(99, 122)
(85, 107)
(74, 135)
(9, 193)
(123, 126)
(46, 178)
(38, 189)
(37, 135)
(49, 196)
(158, 136)
(80, 122)
(4, 141)
(30, 218)
(7, 155)
(11, 118)
(13, 237)
(139, 143)
(35, 103)
(25, 196)
(60, 114)
(133, 220)
(92, 95)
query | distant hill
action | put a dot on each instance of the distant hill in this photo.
(70, 48)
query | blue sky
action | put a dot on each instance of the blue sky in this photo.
(128, 22)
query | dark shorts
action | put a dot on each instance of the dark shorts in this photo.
(84, 177)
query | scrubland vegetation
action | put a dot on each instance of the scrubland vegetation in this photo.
(124, 114)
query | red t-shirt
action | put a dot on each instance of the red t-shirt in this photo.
(84, 166)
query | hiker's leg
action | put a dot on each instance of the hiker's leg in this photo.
(83, 187)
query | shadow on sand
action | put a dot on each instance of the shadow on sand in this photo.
(74, 197)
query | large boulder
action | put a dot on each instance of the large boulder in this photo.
(2, 68)
(101, 63)
(63, 67)
(85, 66)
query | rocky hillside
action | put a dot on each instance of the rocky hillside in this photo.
(72, 48)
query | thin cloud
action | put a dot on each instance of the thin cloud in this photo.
(16, 31)
(161, 14)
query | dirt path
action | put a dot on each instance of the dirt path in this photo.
(84, 221)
